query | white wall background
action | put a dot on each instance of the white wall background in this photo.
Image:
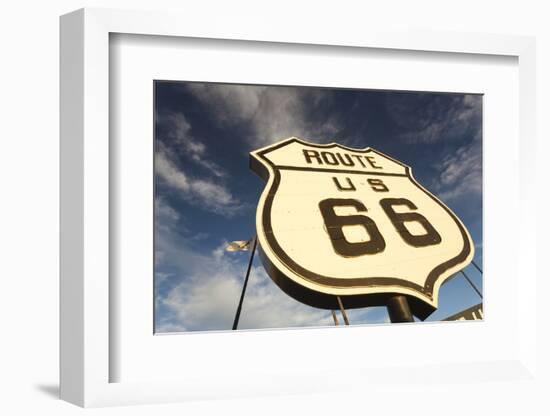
(29, 183)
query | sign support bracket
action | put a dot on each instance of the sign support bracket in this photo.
(472, 284)
(344, 314)
(336, 323)
(477, 267)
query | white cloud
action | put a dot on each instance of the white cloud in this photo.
(207, 296)
(268, 306)
(240, 101)
(181, 140)
(210, 195)
(446, 118)
(273, 113)
(207, 303)
(165, 212)
(207, 299)
(461, 172)
(170, 173)
(204, 289)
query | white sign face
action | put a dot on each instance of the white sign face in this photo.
(335, 221)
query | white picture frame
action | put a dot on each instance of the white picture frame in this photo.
(86, 355)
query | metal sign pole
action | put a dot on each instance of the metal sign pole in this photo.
(238, 313)
(344, 314)
(335, 318)
(399, 310)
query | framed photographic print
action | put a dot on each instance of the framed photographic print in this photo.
(236, 209)
(205, 136)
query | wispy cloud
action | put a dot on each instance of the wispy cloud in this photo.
(176, 135)
(202, 289)
(209, 302)
(269, 113)
(212, 196)
(425, 119)
(444, 120)
(461, 172)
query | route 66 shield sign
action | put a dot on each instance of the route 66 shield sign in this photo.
(336, 221)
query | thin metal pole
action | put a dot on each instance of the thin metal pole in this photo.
(472, 284)
(399, 310)
(344, 314)
(477, 267)
(238, 313)
(335, 318)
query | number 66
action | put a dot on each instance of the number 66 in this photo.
(334, 225)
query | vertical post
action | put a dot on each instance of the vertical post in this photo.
(399, 310)
(335, 318)
(238, 313)
(344, 314)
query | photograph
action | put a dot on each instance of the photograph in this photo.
(282, 207)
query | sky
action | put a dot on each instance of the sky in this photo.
(206, 194)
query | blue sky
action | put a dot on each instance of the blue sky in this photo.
(206, 195)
